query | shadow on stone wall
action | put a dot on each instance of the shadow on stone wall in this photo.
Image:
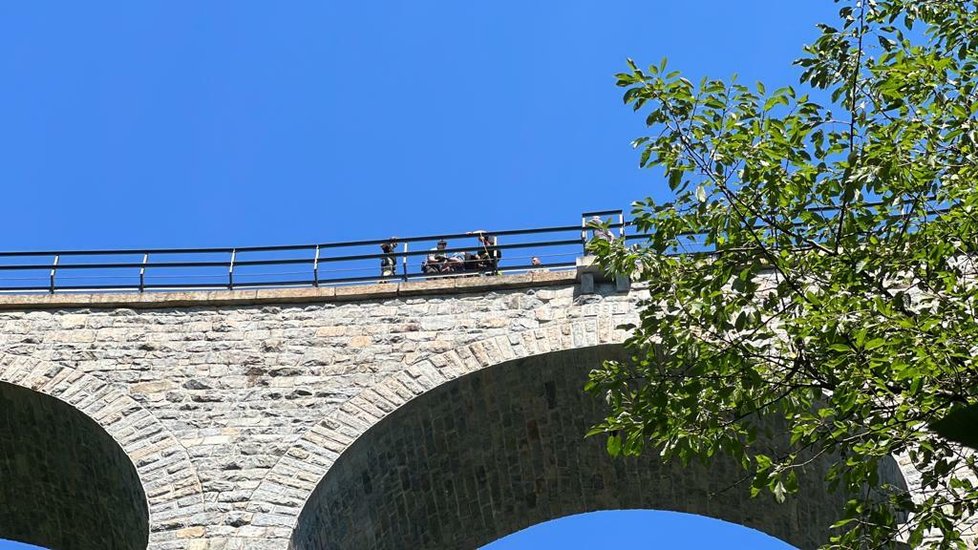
(503, 448)
(64, 482)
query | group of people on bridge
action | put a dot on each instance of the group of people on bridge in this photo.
(485, 260)
(439, 261)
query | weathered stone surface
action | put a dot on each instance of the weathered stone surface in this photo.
(215, 396)
(233, 406)
(64, 482)
(501, 449)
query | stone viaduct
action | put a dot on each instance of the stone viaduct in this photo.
(429, 414)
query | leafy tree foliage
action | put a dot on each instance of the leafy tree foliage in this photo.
(816, 264)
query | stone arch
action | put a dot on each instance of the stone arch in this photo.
(167, 476)
(280, 496)
(502, 448)
(64, 482)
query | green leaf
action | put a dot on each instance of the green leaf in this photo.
(779, 491)
(764, 462)
(874, 343)
(614, 445)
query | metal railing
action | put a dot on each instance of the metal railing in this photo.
(331, 263)
(336, 263)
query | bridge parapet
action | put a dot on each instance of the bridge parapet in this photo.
(323, 294)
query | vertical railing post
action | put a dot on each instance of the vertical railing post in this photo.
(621, 225)
(315, 268)
(234, 252)
(54, 270)
(583, 235)
(404, 266)
(142, 272)
(494, 261)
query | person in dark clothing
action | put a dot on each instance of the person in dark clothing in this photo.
(489, 255)
(388, 263)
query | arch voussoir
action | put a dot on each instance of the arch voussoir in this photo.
(302, 467)
(169, 479)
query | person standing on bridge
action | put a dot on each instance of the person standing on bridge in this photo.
(599, 231)
(488, 257)
(388, 263)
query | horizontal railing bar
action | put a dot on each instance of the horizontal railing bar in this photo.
(311, 247)
(263, 284)
(759, 226)
(447, 236)
(419, 275)
(127, 251)
(198, 267)
(273, 248)
(120, 265)
(447, 251)
(280, 261)
(69, 288)
(294, 282)
(309, 261)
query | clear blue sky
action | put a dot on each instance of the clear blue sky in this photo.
(184, 123)
(639, 530)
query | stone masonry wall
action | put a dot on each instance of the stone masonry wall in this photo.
(209, 399)
(233, 406)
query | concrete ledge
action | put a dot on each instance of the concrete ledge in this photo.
(590, 272)
(157, 300)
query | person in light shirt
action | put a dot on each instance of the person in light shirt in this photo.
(436, 261)
(598, 231)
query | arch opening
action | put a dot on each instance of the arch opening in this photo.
(64, 481)
(637, 528)
(503, 448)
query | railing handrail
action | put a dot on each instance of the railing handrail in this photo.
(284, 248)
(142, 269)
(318, 264)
